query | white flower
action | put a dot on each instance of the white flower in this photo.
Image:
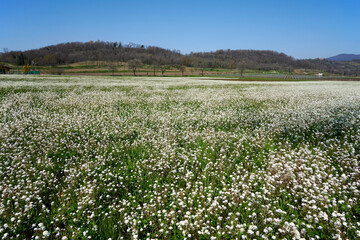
(46, 233)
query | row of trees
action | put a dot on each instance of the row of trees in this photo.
(68, 53)
(135, 64)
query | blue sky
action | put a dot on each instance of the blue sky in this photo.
(302, 29)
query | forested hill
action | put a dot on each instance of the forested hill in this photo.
(67, 53)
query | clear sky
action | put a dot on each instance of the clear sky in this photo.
(302, 28)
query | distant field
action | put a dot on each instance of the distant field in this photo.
(101, 68)
(178, 158)
(118, 69)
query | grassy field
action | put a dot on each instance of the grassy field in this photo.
(101, 68)
(178, 158)
(121, 69)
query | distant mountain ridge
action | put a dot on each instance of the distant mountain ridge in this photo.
(345, 57)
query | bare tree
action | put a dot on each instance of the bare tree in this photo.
(290, 72)
(201, 66)
(113, 68)
(134, 64)
(155, 67)
(182, 69)
(241, 67)
(163, 69)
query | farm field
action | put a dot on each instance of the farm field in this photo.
(90, 157)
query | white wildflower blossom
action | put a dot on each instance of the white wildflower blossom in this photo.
(194, 156)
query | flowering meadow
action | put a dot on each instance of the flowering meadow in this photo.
(178, 158)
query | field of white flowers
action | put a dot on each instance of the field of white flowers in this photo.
(178, 158)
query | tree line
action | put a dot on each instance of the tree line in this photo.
(72, 52)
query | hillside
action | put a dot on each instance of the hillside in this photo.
(345, 57)
(73, 52)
